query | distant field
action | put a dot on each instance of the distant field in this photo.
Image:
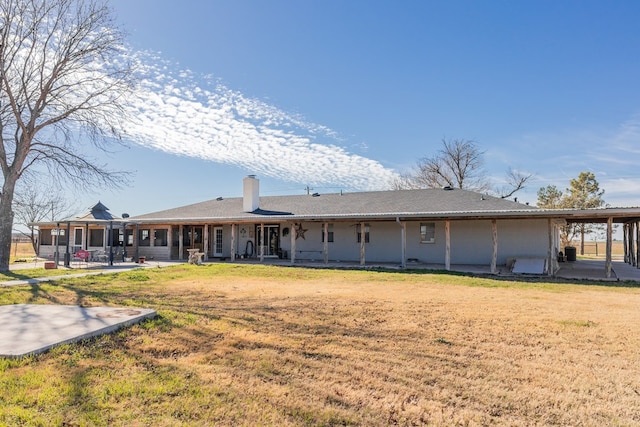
(257, 345)
(599, 249)
(21, 250)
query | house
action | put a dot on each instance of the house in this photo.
(436, 226)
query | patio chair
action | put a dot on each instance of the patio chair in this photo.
(80, 257)
(101, 256)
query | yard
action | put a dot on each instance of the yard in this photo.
(255, 345)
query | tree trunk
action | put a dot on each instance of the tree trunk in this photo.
(6, 225)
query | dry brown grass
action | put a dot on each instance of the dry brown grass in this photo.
(21, 250)
(274, 346)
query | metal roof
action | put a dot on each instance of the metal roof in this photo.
(376, 205)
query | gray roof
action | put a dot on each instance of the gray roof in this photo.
(433, 203)
(97, 212)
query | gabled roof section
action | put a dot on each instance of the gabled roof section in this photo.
(375, 204)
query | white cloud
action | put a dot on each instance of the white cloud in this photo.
(209, 121)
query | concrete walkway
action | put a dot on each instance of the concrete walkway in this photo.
(34, 328)
(87, 269)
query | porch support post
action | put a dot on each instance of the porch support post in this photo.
(494, 240)
(607, 264)
(261, 242)
(110, 242)
(625, 242)
(292, 233)
(136, 252)
(169, 241)
(233, 242)
(67, 256)
(362, 241)
(86, 236)
(180, 242)
(57, 254)
(325, 249)
(206, 242)
(447, 245)
(632, 251)
(403, 243)
(638, 244)
(551, 268)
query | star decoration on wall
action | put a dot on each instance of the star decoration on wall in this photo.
(300, 231)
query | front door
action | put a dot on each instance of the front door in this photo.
(193, 237)
(78, 239)
(271, 241)
(217, 241)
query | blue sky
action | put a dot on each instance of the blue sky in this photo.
(341, 95)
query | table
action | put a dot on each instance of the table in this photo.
(195, 256)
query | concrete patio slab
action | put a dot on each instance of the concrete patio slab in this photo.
(32, 328)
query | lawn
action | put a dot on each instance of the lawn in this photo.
(256, 345)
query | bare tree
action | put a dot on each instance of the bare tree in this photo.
(516, 181)
(38, 203)
(459, 164)
(62, 82)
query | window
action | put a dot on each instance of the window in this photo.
(55, 236)
(329, 233)
(428, 232)
(96, 237)
(144, 237)
(46, 237)
(366, 233)
(62, 237)
(160, 237)
(129, 237)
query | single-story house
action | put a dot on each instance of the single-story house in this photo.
(439, 226)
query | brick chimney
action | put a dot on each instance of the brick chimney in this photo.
(251, 193)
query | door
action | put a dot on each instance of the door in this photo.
(217, 241)
(78, 239)
(193, 237)
(271, 241)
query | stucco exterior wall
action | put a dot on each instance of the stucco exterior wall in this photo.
(471, 242)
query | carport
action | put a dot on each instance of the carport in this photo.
(629, 218)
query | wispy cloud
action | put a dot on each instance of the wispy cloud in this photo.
(611, 154)
(180, 113)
